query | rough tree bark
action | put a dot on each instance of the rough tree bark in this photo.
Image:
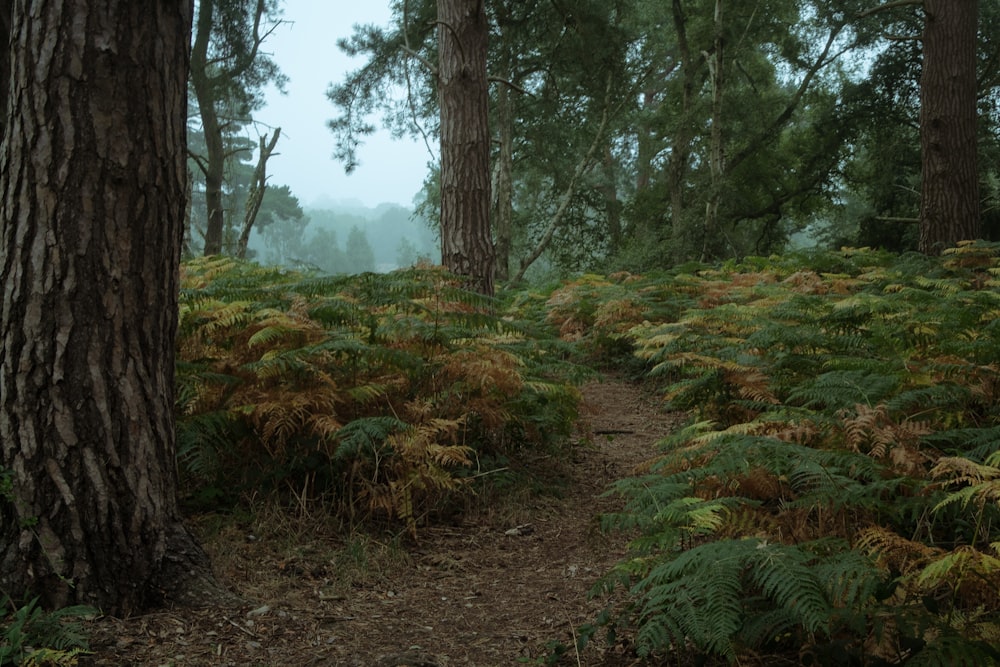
(949, 193)
(92, 199)
(466, 243)
(6, 9)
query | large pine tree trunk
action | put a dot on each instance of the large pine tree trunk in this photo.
(92, 199)
(466, 243)
(949, 195)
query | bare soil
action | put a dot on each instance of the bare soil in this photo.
(500, 587)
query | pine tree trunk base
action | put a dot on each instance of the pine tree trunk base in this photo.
(186, 579)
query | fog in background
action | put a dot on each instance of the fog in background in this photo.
(391, 172)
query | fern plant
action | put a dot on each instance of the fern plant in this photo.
(373, 393)
(844, 423)
(32, 636)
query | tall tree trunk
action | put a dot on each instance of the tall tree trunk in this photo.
(214, 164)
(680, 146)
(612, 203)
(645, 142)
(504, 189)
(92, 199)
(466, 243)
(716, 65)
(949, 193)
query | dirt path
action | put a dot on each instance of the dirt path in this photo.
(495, 590)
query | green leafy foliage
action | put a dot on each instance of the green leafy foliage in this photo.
(382, 395)
(31, 636)
(835, 496)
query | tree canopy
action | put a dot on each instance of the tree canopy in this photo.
(637, 134)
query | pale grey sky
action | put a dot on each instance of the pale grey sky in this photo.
(306, 50)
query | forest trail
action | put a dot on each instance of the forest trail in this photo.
(495, 589)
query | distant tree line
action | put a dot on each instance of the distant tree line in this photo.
(349, 240)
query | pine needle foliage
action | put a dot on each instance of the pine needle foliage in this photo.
(836, 495)
(381, 395)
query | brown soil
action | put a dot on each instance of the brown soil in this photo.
(499, 588)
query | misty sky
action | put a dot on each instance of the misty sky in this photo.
(306, 51)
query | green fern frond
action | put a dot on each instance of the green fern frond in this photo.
(955, 651)
(973, 443)
(367, 393)
(941, 285)
(852, 579)
(839, 390)
(270, 334)
(202, 442)
(940, 398)
(54, 657)
(227, 316)
(786, 576)
(956, 565)
(365, 437)
(714, 596)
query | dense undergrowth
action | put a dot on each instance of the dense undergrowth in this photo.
(834, 499)
(380, 397)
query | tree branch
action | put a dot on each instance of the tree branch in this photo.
(768, 135)
(567, 195)
(199, 160)
(454, 34)
(245, 60)
(414, 116)
(892, 4)
(510, 84)
(902, 38)
(419, 58)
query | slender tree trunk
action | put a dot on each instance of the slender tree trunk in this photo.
(214, 165)
(504, 190)
(186, 245)
(716, 159)
(645, 143)
(612, 203)
(466, 243)
(92, 199)
(949, 194)
(680, 146)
